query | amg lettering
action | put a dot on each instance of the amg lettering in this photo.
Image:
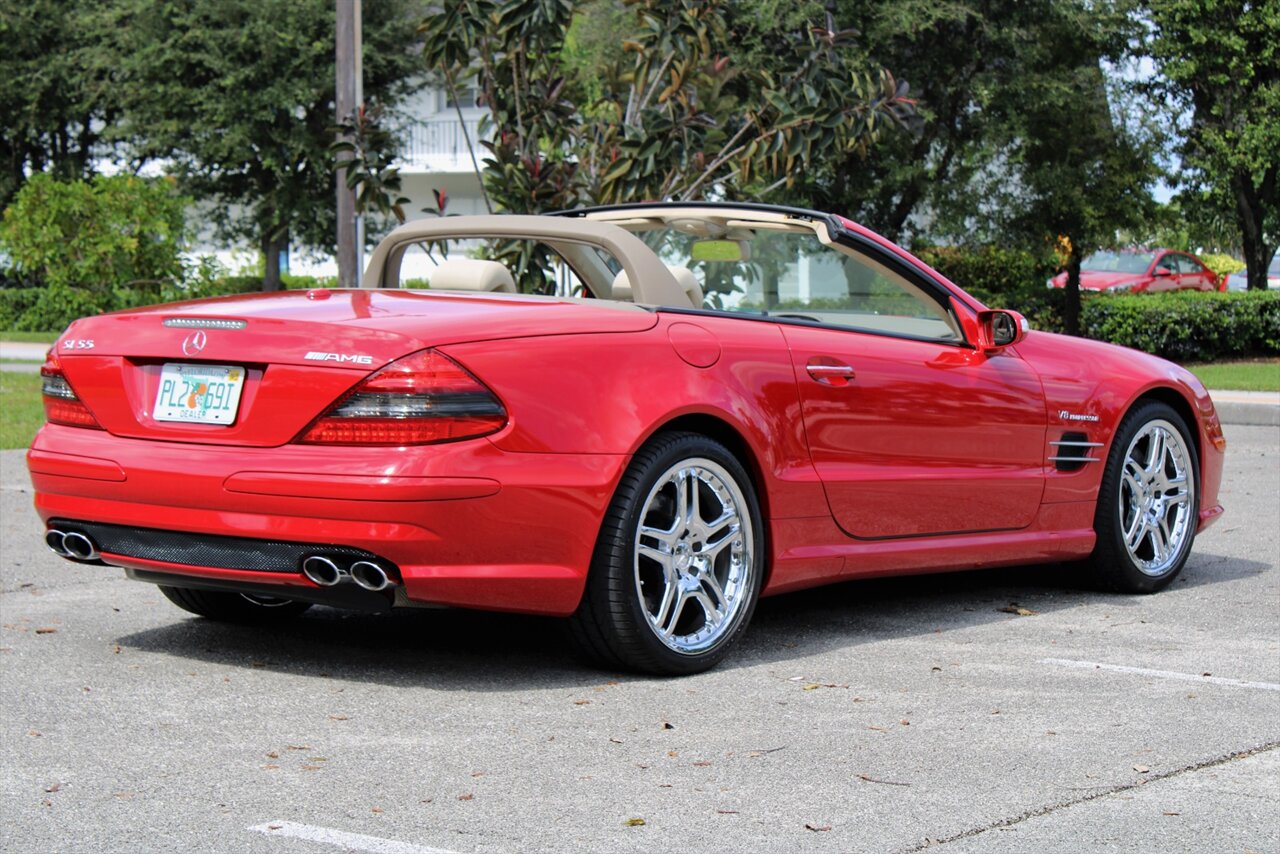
(340, 358)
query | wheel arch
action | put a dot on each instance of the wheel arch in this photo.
(1179, 404)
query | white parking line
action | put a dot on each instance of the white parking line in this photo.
(1161, 674)
(342, 839)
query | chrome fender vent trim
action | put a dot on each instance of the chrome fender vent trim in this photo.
(1073, 451)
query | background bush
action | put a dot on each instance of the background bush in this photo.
(1003, 278)
(109, 232)
(1222, 265)
(1187, 326)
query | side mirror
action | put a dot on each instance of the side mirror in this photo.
(1000, 329)
(1163, 271)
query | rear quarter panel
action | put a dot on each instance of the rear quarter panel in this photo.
(609, 393)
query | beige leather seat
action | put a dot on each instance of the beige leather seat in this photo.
(469, 274)
(621, 289)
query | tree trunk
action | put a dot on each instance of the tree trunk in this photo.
(1071, 311)
(271, 249)
(1249, 216)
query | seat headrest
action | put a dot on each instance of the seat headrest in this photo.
(469, 274)
(621, 288)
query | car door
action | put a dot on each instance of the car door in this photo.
(1160, 283)
(912, 431)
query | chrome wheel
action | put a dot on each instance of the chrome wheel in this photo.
(1157, 486)
(694, 556)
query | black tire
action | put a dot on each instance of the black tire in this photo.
(709, 569)
(234, 607)
(1142, 569)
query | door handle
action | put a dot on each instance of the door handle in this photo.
(830, 374)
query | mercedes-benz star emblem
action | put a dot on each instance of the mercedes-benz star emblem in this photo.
(194, 343)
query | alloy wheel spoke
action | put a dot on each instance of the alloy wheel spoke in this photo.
(713, 614)
(669, 592)
(712, 547)
(712, 585)
(666, 536)
(660, 556)
(1133, 534)
(675, 601)
(1155, 452)
(1159, 541)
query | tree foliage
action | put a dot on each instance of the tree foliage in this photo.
(666, 117)
(56, 100)
(237, 95)
(1220, 60)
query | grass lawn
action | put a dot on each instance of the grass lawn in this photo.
(21, 410)
(1245, 375)
(29, 337)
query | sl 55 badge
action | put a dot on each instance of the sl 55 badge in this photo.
(77, 344)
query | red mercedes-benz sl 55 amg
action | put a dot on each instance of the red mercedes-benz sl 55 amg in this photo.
(733, 401)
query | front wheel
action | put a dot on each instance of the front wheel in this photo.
(247, 608)
(1149, 502)
(677, 568)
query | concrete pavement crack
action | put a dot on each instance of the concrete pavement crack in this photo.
(1112, 790)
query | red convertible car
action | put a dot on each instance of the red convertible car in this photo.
(736, 401)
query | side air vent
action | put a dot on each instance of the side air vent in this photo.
(1072, 451)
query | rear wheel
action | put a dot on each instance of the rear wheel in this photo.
(678, 564)
(1149, 502)
(234, 607)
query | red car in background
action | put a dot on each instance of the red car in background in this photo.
(1142, 271)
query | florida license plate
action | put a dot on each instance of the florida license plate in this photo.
(199, 394)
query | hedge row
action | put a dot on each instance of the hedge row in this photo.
(36, 309)
(1187, 326)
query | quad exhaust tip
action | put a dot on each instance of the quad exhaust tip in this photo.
(369, 575)
(322, 571)
(72, 545)
(326, 572)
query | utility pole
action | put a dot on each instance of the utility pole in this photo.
(347, 100)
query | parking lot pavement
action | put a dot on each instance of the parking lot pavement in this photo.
(878, 716)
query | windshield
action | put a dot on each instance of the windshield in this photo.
(782, 270)
(1118, 262)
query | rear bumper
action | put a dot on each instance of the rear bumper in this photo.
(466, 523)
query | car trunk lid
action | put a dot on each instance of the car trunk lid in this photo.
(290, 354)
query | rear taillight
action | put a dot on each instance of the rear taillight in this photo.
(61, 406)
(417, 400)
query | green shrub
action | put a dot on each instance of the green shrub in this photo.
(1002, 278)
(1222, 265)
(991, 270)
(110, 232)
(14, 303)
(56, 306)
(1187, 326)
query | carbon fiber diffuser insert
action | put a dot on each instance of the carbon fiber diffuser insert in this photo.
(207, 549)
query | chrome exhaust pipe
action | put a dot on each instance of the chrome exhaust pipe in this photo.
(322, 571)
(54, 539)
(79, 547)
(370, 576)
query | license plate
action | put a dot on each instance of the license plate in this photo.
(198, 394)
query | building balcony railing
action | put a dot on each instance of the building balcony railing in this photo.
(439, 145)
